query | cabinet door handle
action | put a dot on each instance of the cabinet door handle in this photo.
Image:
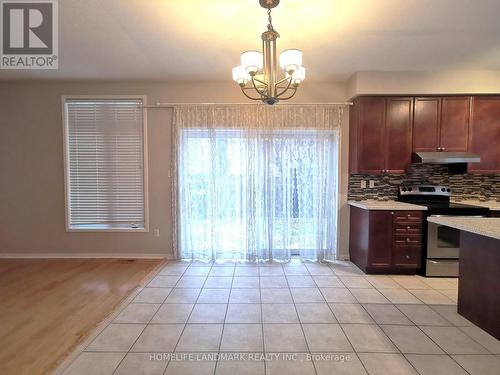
(407, 257)
(407, 240)
(408, 227)
(442, 148)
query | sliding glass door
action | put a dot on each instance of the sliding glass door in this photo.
(257, 195)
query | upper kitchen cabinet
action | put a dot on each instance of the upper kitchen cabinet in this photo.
(399, 113)
(454, 123)
(484, 138)
(366, 135)
(426, 124)
(380, 134)
(441, 123)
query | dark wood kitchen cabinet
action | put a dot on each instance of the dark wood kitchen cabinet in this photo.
(484, 138)
(384, 130)
(398, 134)
(380, 237)
(383, 241)
(441, 123)
(380, 134)
(426, 124)
(454, 124)
(366, 135)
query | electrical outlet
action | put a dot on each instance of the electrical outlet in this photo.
(156, 232)
(363, 184)
(372, 183)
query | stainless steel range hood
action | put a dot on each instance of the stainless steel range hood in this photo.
(445, 157)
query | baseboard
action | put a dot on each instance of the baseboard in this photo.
(84, 256)
(343, 255)
(99, 256)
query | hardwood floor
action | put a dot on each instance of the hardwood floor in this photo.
(48, 306)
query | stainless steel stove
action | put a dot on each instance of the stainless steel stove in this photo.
(441, 244)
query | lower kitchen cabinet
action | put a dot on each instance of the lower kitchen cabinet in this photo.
(406, 256)
(385, 241)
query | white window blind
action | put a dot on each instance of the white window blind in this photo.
(105, 151)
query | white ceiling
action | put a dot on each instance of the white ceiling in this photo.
(202, 39)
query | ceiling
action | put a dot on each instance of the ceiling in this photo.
(201, 40)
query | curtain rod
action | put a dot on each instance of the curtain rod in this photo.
(171, 105)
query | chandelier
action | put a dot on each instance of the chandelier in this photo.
(259, 72)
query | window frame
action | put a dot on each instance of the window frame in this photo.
(67, 194)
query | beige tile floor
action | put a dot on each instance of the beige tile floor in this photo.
(371, 324)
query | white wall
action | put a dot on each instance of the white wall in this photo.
(424, 83)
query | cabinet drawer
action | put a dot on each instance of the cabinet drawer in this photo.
(407, 239)
(406, 256)
(407, 216)
(408, 228)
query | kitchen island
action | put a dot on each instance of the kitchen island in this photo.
(479, 270)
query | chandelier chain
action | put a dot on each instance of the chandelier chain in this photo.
(270, 20)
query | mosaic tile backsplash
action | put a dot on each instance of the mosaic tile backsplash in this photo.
(463, 186)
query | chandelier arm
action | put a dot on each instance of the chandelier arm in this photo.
(283, 80)
(286, 89)
(248, 96)
(262, 93)
(252, 89)
(291, 96)
(258, 80)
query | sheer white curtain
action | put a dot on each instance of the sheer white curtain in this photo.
(255, 182)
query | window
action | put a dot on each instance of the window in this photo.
(105, 158)
(257, 196)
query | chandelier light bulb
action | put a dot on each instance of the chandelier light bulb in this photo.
(291, 60)
(240, 75)
(298, 76)
(252, 61)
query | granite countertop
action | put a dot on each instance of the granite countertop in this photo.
(485, 226)
(492, 205)
(372, 204)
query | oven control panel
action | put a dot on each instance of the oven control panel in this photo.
(425, 190)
